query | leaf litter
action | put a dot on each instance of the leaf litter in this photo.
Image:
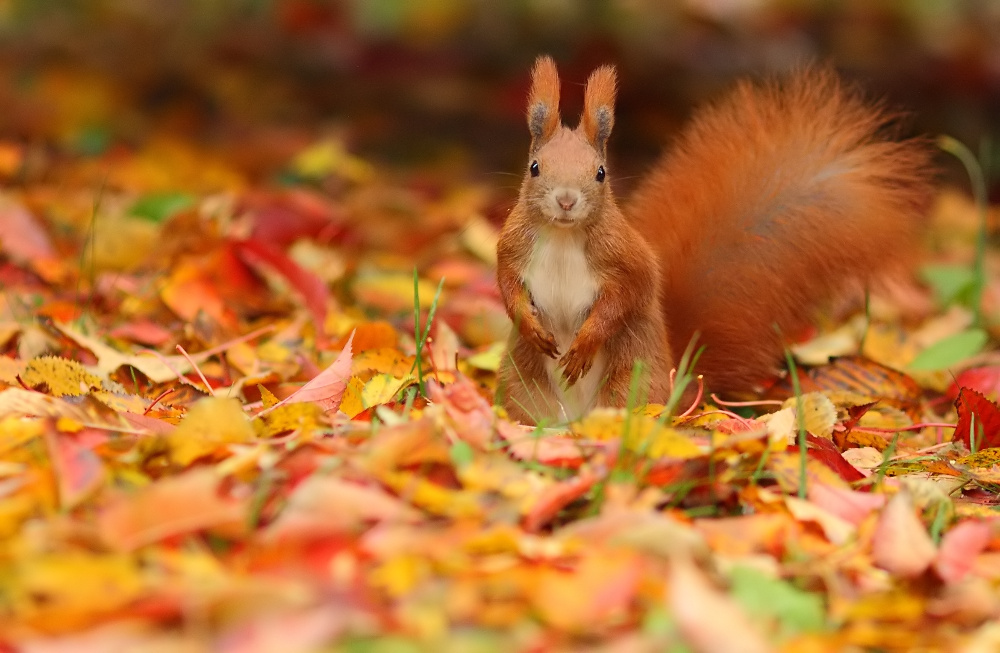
(237, 434)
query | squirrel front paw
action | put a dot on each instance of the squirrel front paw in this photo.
(576, 363)
(541, 339)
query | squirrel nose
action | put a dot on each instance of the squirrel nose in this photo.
(566, 201)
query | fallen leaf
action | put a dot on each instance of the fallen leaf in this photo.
(700, 610)
(211, 423)
(959, 547)
(180, 504)
(327, 388)
(977, 417)
(78, 470)
(900, 544)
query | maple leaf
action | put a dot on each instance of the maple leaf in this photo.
(979, 417)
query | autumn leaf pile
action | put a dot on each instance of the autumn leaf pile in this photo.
(239, 415)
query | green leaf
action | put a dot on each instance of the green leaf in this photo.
(763, 596)
(461, 453)
(950, 283)
(157, 207)
(951, 350)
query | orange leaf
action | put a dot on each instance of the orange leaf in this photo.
(601, 587)
(555, 498)
(172, 506)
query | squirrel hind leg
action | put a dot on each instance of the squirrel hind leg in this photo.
(523, 386)
(653, 386)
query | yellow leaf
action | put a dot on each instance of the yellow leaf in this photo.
(352, 404)
(432, 497)
(489, 358)
(15, 431)
(305, 417)
(393, 292)
(818, 411)
(641, 433)
(383, 360)
(121, 244)
(76, 588)
(383, 388)
(400, 574)
(60, 376)
(210, 424)
(329, 157)
(266, 396)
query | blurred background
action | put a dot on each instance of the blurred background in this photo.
(440, 84)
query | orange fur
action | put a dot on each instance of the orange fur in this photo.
(769, 203)
(623, 322)
(598, 106)
(543, 100)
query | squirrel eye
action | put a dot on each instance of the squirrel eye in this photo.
(600, 173)
(534, 168)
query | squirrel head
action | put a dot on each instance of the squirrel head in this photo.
(566, 182)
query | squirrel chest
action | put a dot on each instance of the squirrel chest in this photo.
(563, 287)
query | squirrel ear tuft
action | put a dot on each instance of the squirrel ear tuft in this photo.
(599, 107)
(543, 101)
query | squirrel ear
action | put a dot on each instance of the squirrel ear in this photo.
(543, 101)
(599, 107)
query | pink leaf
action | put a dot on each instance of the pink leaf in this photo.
(24, 240)
(710, 621)
(78, 469)
(326, 389)
(959, 548)
(850, 505)
(901, 544)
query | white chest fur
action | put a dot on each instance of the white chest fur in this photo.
(563, 287)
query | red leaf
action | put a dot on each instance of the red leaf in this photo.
(145, 332)
(279, 219)
(312, 288)
(555, 498)
(981, 379)
(979, 413)
(327, 389)
(826, 452)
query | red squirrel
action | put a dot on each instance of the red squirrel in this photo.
(767, 203)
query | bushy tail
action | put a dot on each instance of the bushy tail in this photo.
(770, 202)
